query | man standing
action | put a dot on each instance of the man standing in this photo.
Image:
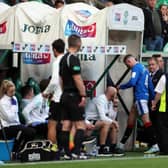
(73, 98)
(153, 27)
(54, 89)
(161, 99)
(141, 82)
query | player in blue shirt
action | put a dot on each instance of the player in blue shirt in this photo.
(143, 92)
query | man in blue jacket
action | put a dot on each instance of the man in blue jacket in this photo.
(143, 92)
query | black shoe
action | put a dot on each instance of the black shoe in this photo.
(104, 152)
(118, 152)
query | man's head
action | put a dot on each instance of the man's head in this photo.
(59, 4)
(151, 3)
(129, 60)
(153, 65)
(58, 47)
(27, 92)
(159, 59)
(74, 42)
(111, 93)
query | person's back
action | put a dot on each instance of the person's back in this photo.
(68, 70)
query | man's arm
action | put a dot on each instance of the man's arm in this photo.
(79, 84)
(81, 88)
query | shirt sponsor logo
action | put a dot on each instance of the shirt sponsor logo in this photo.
(82, 31)
(36, 29)
(36, 58)
(83, 13)
(3, 28)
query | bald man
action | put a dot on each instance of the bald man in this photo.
(101, 111)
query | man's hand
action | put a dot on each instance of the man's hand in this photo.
(153, 105)
(82, 102)
(115, 124)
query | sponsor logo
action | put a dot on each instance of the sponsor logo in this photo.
(82, 31)
(34, 156)
(87, 57)
(32, 47)
(134, 18)
(17, 47)
(117, 17)
(89, 85)
(83, 13)
(36, 29)
(125, 20)
(3, 28)
(36, 58)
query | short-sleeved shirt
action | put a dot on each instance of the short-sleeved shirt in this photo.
(69, 66)
(161, 85)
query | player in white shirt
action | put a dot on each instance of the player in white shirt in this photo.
(54, 89)
(36, 111)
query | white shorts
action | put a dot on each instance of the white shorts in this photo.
(142, 107)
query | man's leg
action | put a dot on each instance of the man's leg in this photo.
(130, 125)
(52, 134)
(65, 136)
(113, 137)
(79, 136)
(143, 110)
(104, 129)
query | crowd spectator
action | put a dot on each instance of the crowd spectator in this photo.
(164, 16)
(153, 38)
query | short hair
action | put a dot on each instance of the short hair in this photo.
(43, 84)
(153, 58)
(26, 90)
(156, 56)
(59, 45)
(73, 40)
(127, 57)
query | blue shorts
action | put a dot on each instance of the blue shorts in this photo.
(142, 107)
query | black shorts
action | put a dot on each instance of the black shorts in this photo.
(70, 107)
(54, 111)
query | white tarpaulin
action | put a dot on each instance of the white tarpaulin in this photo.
(3, 7)
(35, 24)
(90, 24)
(125, 17)
(6, 26)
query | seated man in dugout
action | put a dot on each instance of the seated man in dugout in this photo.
(101, 111)
(36, 111)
